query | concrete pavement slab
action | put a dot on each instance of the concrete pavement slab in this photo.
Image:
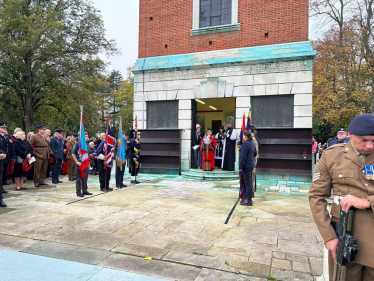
(155, 268)
(15, 243)
(67, 252)
(193, 259)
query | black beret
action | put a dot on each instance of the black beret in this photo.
(40, 126)
(342, 130)
(3, 125)
(362, 125)
(74, 134)
(58, 131)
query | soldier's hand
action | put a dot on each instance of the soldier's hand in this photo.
(79, 164)
(332, 245)
(353, 201)
(134, 159)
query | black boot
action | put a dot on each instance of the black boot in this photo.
(86, 193)
(2, 204)
(79, 194)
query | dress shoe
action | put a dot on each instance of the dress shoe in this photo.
(246, 202)
(18, 189)
(55, 182)
(74, 179)
(37, 185)
(2, 204)
(109, 189)
(135, 182)
(23, 187)
(102, 189)
(80, 194)
(4, 191)
(43, 183)
(123, 185)
(6, 183)
(71, 180)
(87, 193)
(59, 181)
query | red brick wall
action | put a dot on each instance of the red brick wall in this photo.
(285, 21)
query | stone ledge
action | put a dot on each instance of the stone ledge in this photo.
(215, 29)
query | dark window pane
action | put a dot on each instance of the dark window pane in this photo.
(162, 114)
(215, 12)
(273, 111)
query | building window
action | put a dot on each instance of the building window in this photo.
(273, 111)
(215, 12)
(212, 16)
(162, 115)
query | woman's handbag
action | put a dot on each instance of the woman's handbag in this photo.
(18, 160)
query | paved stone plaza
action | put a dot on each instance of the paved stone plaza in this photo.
(177, 222)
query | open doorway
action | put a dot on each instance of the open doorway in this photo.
(212, 114)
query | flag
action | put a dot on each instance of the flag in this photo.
(249, 121)
(136, 143)
(242, 130)
(121, 147)
(83, 148)
(108, 146)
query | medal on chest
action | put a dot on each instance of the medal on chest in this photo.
(369, 172)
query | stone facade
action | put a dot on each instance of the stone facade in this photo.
(223, 78)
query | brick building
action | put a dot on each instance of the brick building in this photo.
(208, 61)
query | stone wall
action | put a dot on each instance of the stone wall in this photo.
(239, 81)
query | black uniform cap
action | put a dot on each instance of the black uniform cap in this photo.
(74, 134)
(362, 125)
(341, 130)
(58, 131)
(40, 126)
(3, 125)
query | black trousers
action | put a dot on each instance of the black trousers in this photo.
(81, 184)
(4, 167)
(247, 177)
(119, 175)
(103, 174)
(56, 170)
(1, 176)
(134, 170)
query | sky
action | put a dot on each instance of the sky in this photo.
(121, 21)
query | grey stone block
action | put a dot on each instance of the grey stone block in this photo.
(198, 260)
(67, 252)
(154, 268)
(15, 243)
(288, 275)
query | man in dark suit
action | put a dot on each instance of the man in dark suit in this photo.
(57, 146)
(7, 149)
(2, 157)
(197, 136)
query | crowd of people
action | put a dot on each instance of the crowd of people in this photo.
(39, 155)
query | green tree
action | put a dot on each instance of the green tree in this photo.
(49, 59)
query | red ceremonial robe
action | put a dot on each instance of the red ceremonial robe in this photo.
(212, 147)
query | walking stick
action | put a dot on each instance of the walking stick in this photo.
(232, 210)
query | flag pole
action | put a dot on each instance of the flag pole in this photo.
(106, 152)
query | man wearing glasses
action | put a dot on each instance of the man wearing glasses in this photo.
(341, 137)
(196, 139)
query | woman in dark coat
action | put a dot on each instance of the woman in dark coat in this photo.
(21, 151)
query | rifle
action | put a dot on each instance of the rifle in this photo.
(347, 244)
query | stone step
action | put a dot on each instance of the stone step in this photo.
(215, 172)
(210, 177)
